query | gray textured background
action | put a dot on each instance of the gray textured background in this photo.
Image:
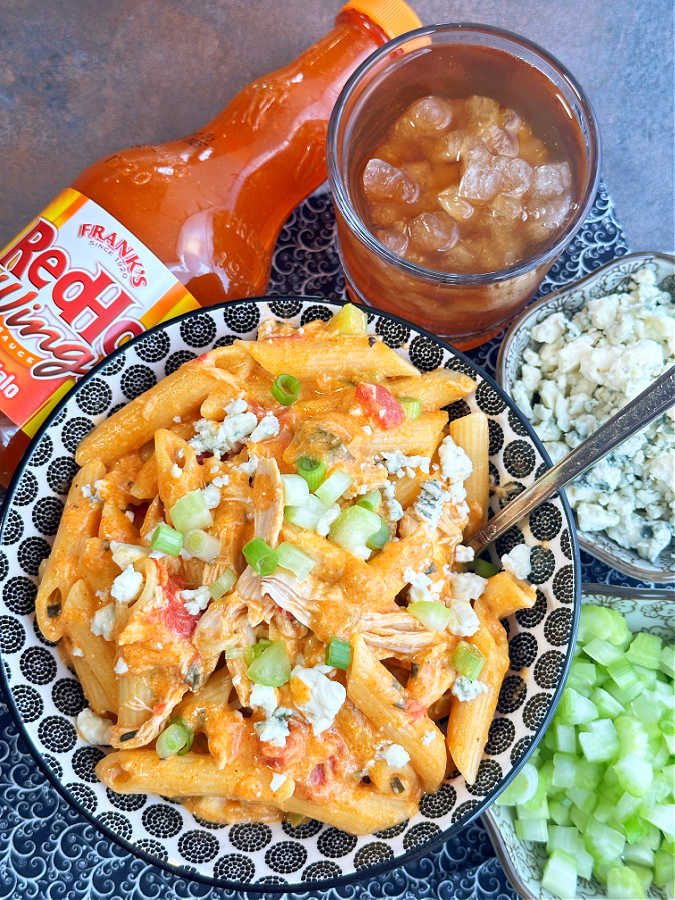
(82, 78)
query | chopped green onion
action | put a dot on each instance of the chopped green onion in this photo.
(372, 501)
(412, 407)
(223, 584)
(272, 667)
(381, 536)
(433, 614)
(286, 389)
(333, 487)
(338, 654)
(353, 527)
(468, 660)
(260, 556)
(296, 491)
(295, 560)
(166, 540)
(307, 515)
(482, 567)
(522, 788)
(191, 512)
(312, 470)
(175, 738)
(202, 545)
(350, 320)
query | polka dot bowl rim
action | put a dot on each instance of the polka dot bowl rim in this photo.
(553, 621)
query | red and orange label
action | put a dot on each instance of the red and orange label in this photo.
(74, 286)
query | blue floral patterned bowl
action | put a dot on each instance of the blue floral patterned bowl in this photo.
(45, 697)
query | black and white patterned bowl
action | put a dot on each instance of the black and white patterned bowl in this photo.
(45, 696)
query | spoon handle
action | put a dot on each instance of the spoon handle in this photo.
(652, 402)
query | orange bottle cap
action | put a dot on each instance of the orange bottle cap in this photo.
(393, 16)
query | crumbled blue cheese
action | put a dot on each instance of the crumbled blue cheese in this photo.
(121, 668)
(395, 756)
(76, 651)
(463, 554)
(394, 508)
(274, 729)
(582, 370)
(94, 729)
(92, 494)
(221, 481)
(455, 464)
(326, 519)
(176, 471)
(263, 697)
(236, 406)
(276, 781)
(127, 586)
(466, 585)
(422, 588)
(196, 601)
(398, 464)
(325, 697)
(463, 620)
(429, 504)
(465, 689)
(103, 622)
(428, 737)
(221, 438)
(267, 427)
(127, 554)
(248, 468)
(517, 562)
(211, 495)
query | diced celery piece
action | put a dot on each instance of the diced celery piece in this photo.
(667, 661)
(564, 770)
(546, 773)
(635, 828)
(603, 811)
(575, 709)
(639, 854)
(623, 695)
(664, 869)
(626, 807)
(599, 741)
(588, 774)
(583, 799)
(522, 788)
(603, 622)
(623, 884)
(663, 816)
(622, 673)
(579, 818)
(606, 704)
(565, 738)
(333, 487)
(604, 843)
(560, 875)
(646, 710)
(582, 675)
(535, 830)
(647, 676)
(646, 876)
(634, 773)
(537, 806)
(350, 320)
(569, 840)
(645, 650)
(602, 651)
(633, 739)
(560, 812)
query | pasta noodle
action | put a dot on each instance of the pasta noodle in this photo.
(253, 579)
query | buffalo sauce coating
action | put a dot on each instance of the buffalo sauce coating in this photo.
(463, 185)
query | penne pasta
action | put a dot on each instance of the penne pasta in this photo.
(471, 434)
(434, 389)
(505, 595)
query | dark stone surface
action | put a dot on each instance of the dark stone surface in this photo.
(82, 78)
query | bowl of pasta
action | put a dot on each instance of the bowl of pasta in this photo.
(241, 629)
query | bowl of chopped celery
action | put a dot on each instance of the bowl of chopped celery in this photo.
(572, 360)
(592, 813)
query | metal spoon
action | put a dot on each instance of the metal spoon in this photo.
(652, 402)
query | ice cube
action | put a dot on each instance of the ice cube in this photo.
(420, 172)
(481, 178)
(454, 205)
(433, 231)
(384, 214)
(482, 109)
(448, 147)
(500, 141)
(544, 220)
(394, 238)
(516, 176)
(382, 181)
(460, 259)
(511, 121)
(551, 180)
(427, 116)
(505, 206)
(532, 150)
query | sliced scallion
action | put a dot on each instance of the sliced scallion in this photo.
(338, 654)
(260, 556)
(223, 584)
(333, 487)
(166, 540)
(286, 389)
(295, 560)
(175, 738)
(412, 407)
(312, 470)
(202, 545)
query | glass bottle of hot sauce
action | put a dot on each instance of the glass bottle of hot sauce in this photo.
(153, 231)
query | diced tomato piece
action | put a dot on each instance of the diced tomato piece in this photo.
(414, 708)
(175, 615)
(379, 404)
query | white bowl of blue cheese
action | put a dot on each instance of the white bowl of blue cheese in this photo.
(570, 362)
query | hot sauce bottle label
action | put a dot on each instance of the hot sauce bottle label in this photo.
(74, 285)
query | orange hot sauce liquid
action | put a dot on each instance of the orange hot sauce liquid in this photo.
(210, 205)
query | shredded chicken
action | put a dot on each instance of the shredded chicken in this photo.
(397, 632)
(268, 498)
